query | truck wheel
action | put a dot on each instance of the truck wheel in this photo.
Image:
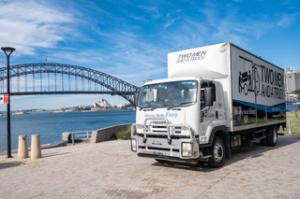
(218, 153)
(272, 137)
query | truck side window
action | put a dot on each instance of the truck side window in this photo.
(204, 86)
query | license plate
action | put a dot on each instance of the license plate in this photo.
(156, 142)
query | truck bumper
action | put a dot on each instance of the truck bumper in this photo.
(174, 143)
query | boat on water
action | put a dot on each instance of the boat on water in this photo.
(19, 113)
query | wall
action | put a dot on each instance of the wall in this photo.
(105, 134)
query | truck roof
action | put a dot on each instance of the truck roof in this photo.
(213, 61)
(232, 44)
(236, 46)
(170, 80)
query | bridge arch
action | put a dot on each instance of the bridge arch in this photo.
(112, 85)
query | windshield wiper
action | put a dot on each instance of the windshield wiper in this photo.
(147, 108)
(175, 107)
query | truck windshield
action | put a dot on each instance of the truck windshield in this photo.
(169, 94)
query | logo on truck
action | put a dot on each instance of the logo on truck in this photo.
(249, 81)
(191, 56)
(261, 80)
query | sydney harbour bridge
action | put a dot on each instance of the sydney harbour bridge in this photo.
(56, 78)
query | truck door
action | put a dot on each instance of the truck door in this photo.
(209, 105)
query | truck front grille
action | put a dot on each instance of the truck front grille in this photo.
(159, 129)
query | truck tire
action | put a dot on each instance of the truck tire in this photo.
(217, 152)
(272, 136)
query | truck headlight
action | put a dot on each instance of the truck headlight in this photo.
(187, 149)
(133, 145)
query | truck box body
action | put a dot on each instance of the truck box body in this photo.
(253, 87)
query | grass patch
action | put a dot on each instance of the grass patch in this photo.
(123, 135)
(294, 117)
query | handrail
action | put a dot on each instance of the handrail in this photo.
(80, 134)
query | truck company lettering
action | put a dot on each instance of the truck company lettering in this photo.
(171, 115)
(265, 81)
(191, 56)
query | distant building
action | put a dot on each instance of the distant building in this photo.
(292, 80)
(101, 105)
(292, 98)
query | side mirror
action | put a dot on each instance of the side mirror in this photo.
(208, 100)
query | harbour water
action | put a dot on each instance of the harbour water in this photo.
(51, 125)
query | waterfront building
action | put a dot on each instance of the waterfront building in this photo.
(101, 105)
(292, 80)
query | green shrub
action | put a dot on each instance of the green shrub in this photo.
(294, 117)
(123, 135)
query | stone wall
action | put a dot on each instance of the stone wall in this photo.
(107, 133)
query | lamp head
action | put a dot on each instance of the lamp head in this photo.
(8, 50)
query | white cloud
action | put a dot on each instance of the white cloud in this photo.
(170, 22)
(128, 54)
(28, 25)
(153, 11)
(287, 19)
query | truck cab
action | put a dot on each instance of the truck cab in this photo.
(175, 117)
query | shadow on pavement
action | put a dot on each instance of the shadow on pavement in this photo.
(253, 150)
(6, 165)
(47, 155)
(256, 150)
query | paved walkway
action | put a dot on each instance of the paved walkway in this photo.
(110, 170)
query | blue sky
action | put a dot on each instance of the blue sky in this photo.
(131, 39)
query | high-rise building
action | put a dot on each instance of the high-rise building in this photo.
(292, 80)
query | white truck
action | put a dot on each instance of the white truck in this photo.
(215, 99)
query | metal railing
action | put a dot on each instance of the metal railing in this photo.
(81, 135)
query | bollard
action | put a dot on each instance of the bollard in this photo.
(35, 147)
(289, 127)
(66, 137)
(22, 147)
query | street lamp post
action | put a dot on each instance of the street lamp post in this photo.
(8, 51)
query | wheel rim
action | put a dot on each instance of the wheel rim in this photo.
(218, 152)
(274, 136)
